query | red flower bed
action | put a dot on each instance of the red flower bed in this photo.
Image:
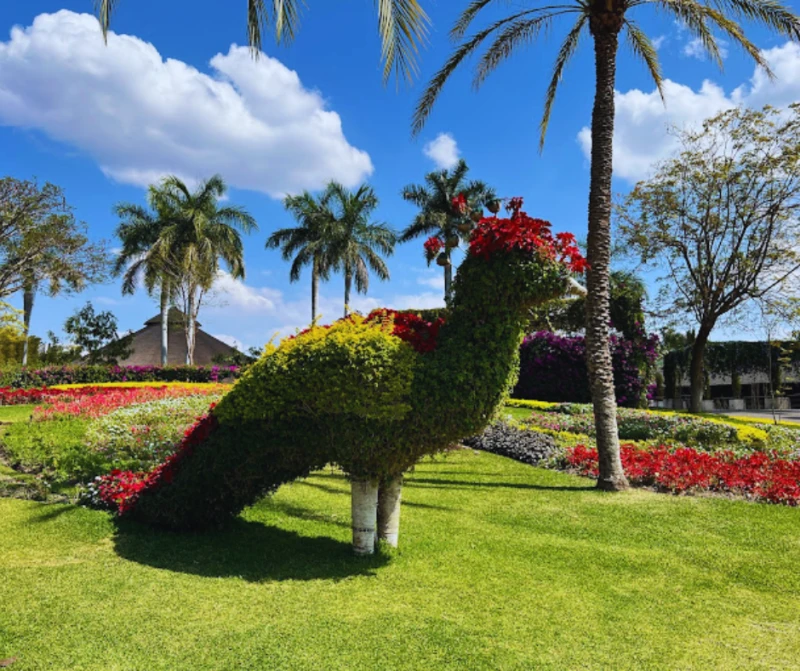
(97, 401)
(121, 489)
(10, 396)
(759, 475)
(527, 234)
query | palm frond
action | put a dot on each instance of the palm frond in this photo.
(403, 27)
(642, 47)
(104, 9)
(464, 21)
(568, 48)
(693, 16)
(770, 13)
(509, 40)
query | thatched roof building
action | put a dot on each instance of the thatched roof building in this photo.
(146, 344)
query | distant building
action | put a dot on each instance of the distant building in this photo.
(146, 344)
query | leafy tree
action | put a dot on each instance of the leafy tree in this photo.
(358, 242)
(626, 308)
(720, 219)
(437, 214)
(96, 335)
(43, 246)
(199, 235)
(142, 255)
(604, 20)
(402, 25)
(311, 243)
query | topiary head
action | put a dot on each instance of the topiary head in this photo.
(520, 259)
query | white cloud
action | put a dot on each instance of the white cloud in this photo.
(641, 134)
(443, 151)
(432, 279)
(695, 49)
(141, 116)
(659, 41)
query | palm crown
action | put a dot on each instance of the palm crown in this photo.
(402, 25)
(510, 34)
(436, 215)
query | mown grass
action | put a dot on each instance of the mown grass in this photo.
(502, 566)
(15, 413)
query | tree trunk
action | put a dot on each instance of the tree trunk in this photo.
(348, 281)
(389, 510)
(164, 322)
(598, 353)
(28, 296)
(364, 507)
(314, 289)
(448, 282)
(697, 377)
(190, 330)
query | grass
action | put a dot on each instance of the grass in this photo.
(10, 414)
(501, 566)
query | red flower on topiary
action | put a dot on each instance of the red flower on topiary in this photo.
(432, 247)
(420, 334)
(460, 204)
(527, 234)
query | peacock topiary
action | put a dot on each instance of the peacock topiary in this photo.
(372, 394)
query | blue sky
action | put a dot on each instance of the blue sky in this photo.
(169, 94)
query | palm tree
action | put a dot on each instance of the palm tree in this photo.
(437, 215)
(140, 232)
(604, 20)
(310, 243)
(358, 243)
(402, 25)
(198, 236)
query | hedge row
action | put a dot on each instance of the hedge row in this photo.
(26, 378)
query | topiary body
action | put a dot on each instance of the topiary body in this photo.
(357, 395)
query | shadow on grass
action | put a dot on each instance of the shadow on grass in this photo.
(247, 550)
(440, 483)
(334, 490)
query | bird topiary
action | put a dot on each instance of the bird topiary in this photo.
(372, 394)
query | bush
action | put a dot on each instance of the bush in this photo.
(553, 368)
(24, 378)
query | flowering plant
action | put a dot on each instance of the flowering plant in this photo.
(432, 247)
(460, 204)
(416, 331)
(759, 475)
(527, 234)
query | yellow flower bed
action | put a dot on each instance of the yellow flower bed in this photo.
(144, 385)
(533, 405)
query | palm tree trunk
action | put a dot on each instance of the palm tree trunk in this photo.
(164, 322)
(190, 330)
(314, 289)
(348, 282)
(696, 369)
(448, 282)
(598, 353)
(28, 296)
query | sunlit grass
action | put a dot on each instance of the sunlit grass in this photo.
(501, 566)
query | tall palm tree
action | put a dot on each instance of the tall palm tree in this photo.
(358, 242)
(141, 255)
(437, 215)
(402, 25)
(604, 20)
(199, 236)
(310, 243)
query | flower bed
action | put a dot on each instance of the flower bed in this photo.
(700, 432)
(760, 476)
(92, 402)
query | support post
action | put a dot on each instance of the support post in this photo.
(364, 507)
(389, 510)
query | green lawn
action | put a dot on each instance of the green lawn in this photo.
(15, 413)
(502, 566)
